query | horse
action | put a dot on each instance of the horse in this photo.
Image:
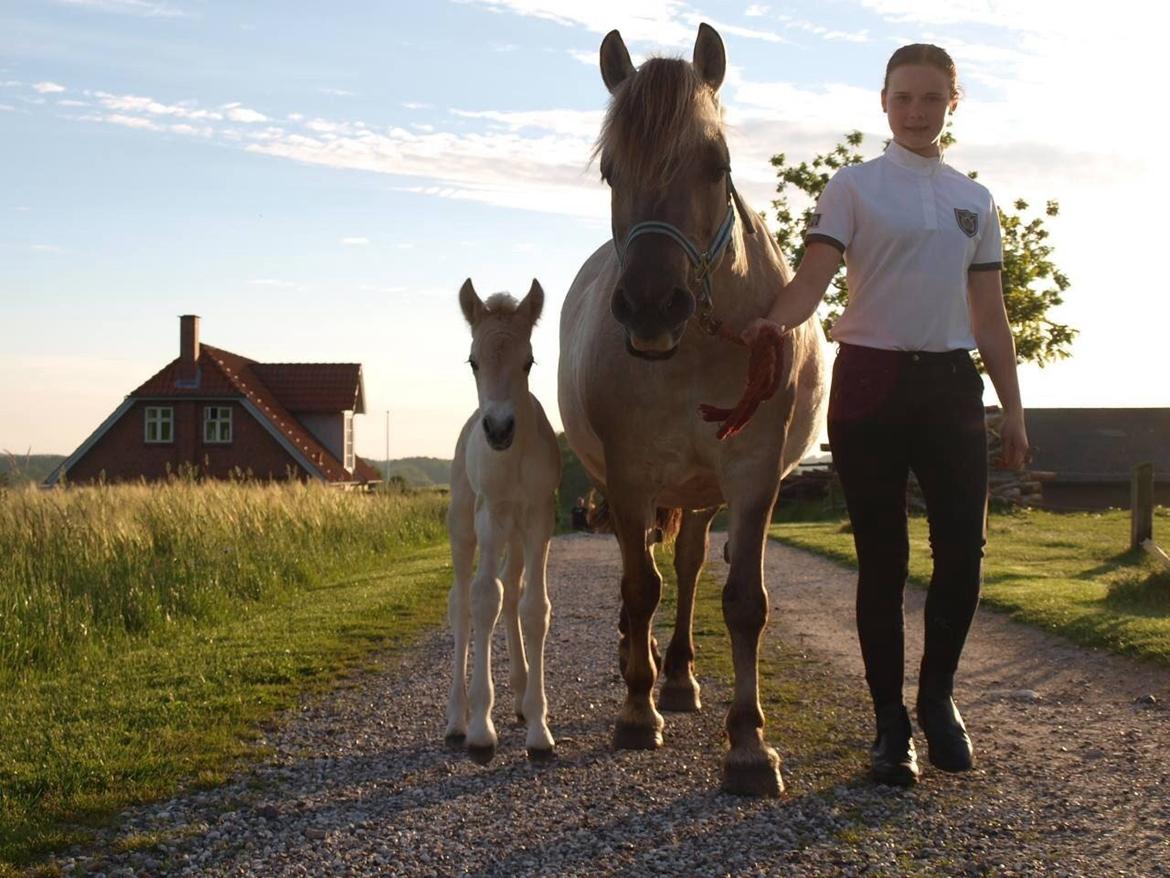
(643, 342)
(504, 477)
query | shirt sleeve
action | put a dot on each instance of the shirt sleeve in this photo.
(832, 219)
(989, 251)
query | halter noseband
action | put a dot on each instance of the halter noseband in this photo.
(704, 262)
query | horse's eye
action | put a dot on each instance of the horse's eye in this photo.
(473, 363)
(528, 365)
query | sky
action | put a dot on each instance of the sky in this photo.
(316, 180)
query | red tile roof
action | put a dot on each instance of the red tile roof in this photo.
(224, 374)
(314, 387)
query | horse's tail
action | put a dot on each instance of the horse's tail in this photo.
(667, 522)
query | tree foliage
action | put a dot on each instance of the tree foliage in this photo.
(1032, 283)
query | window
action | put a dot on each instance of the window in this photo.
(217, 424)
(160, 424)
(349, 461)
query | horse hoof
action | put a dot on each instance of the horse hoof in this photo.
(757, 775)
(679, 699)
(481, 754)
(542, 754)
(627, 736)
(455, 741)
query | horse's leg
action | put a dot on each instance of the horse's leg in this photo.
(639, 725)
(512, 573)
(751, 767)
(680, 689)
(535, 612)
(492, 525)
(461, 527)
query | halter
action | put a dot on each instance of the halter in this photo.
(704, 262)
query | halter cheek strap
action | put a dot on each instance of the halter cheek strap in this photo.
(704, 262)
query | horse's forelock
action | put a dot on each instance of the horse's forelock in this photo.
(659, 115)
(501, 303)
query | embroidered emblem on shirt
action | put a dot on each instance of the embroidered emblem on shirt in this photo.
(814, 220)
(968, 221)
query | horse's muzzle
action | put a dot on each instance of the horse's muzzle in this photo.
(657, 350)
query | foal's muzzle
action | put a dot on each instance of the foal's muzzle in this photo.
(499, 433)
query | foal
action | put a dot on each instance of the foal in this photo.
(504, 479)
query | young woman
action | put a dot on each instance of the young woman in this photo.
(922, 251)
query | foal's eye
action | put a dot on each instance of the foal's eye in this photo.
(474, 365)
(528, 365)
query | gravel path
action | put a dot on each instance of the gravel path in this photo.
(1072, 775)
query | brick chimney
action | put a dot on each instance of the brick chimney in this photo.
(188, 350)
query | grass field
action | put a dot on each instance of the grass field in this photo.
(1070, 573)
(148, 633)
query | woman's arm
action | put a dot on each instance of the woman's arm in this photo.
(993, 335)
(798, 299)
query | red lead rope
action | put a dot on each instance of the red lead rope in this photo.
(765, 367)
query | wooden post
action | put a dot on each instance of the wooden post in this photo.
(1141, 505)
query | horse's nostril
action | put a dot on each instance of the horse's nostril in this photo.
(620, 305)
(680, 306)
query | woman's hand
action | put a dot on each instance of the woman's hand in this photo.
(1014, 439)
(762, 327)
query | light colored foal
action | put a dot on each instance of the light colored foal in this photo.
(504, 478)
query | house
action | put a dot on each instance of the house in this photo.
(1088, 454)
(226, 415)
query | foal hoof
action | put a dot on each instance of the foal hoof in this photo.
(627, 736)
(455, 741)
(541, 754)
(679, 699)
(481, 754)
(756, 773)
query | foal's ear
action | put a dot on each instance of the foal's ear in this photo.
(710, 58)
(616, 66)
(470, 302)
(533, 303)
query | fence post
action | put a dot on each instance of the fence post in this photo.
(1141, 505)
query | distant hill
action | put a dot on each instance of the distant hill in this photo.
(17, 469)
(418, 472)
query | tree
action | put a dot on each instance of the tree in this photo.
(1032, 284)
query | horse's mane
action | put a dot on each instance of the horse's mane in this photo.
(501, 303)
(657, 116)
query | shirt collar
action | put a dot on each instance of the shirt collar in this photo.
(919, 164)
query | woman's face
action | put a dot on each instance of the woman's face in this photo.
(917, 102)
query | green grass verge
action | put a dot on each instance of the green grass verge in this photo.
(130, 725)
(1070, 573)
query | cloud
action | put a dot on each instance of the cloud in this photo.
(577, 123)
(71, 103)
(48, 88)
(143, 8)
(274, 282)
(7, 108)
(336, 92)
(756, 10)
(237, 113)
(355, 242)
(45, 248)
(417, 105)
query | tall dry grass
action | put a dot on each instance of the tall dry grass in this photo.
(91, 567)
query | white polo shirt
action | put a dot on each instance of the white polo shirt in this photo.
(910, 228)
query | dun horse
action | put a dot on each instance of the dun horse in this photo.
(639, 354)
(503, 483)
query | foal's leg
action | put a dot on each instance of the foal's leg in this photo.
(491, 528)
(461, 527)
(639, 725)
(751, 767)
(512, 573)
(680, 689)
(534, 614)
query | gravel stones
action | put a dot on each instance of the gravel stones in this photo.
(359, 782)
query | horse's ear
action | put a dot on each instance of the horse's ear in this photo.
(616, 66)
(533, 303)
(470, 302)
(710, 57)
